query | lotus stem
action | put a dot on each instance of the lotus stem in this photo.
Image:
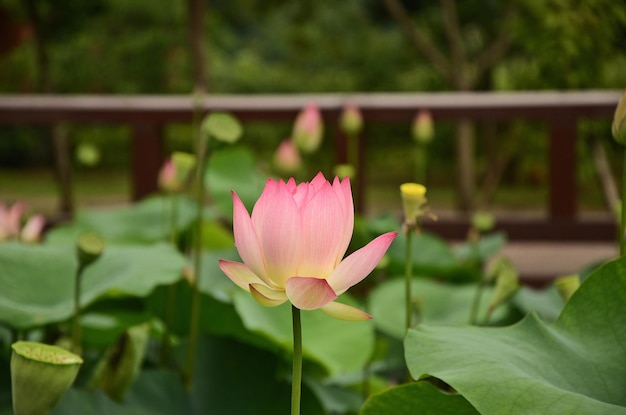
(296, 382)
(408, 277)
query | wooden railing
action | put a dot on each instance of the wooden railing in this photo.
(147, 115)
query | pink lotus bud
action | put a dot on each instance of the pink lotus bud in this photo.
(287, 158)
(168, 180)
(308, 129)
(423, 127)
(301, 260)
(12, 220)
(32, 231)
(351, 121)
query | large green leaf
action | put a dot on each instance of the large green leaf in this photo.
(575, 366)
(435, 303)
(144, 222)
(417, 398)
(233, 378)
(38, 281)
(339, 346)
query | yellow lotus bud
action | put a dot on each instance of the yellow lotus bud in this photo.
(413, 200)
(40, 375)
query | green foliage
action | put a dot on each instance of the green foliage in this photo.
(574, 365)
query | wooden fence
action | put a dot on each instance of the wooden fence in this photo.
(147, 115)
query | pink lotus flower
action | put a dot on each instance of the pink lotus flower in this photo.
(293, 244)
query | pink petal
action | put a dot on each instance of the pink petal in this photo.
(345, 312)
(246, 240)
(359, 264)
(239, 273)
(344, 194)
(277, 222)
(323, 233)
(266, 296)
(308, 293)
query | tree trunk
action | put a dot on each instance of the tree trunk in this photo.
(195, 10)
(465, 164)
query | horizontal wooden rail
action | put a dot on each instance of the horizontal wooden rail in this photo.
(148, 114)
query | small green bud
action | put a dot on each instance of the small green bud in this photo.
(619, 121)
(345, 170)
(483, 221)
(567, 286)
(507, 281)
(423, 127)
(89, 247)
(351, 121)
(40, 375)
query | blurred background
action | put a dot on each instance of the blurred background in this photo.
(277, 46)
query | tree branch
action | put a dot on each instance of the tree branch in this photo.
(455, 43)
(419, 39)
(497, 49)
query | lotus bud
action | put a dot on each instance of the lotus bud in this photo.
(507, 282)
(351, 121)
(13, 218)
(32, 231)
(413, 200)
(168, 182)
(287, 158)
(345, 170)
(40, 375)
(423, 127)
(483, 221)
(89, 247)
(120, 366)
(567, 286)
(619, 121)
(184, 164)
(308, 129)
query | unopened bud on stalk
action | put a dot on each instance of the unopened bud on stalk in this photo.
(32, 231)
(413, 200)
(89, 247)
(423, 127)
(40, 375)
(483, 221)
(507, 282)
(287, 158)
(351, 121)
(619, 121)
(308, 129)
(345, 170)
(567, 286)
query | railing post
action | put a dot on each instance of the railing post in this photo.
(563, 201)
(146, 158)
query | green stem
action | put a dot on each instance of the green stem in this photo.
(171, 290)
(408, 277)
(194, 322)
(353, 160)
(622, 237)
(76, 330)
(421, 159)
(296, 381)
